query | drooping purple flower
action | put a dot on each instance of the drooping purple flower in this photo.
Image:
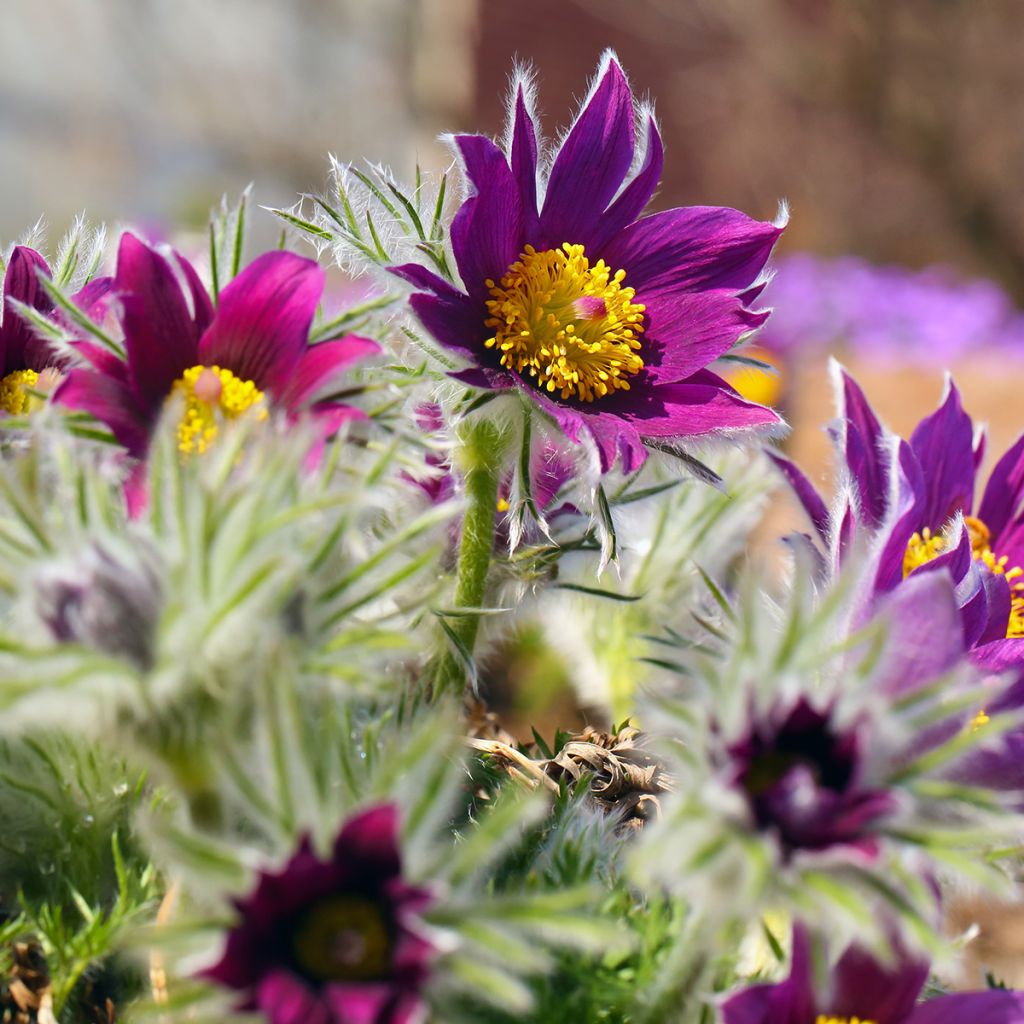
(26, 360)
(253, 348)
(333, 941)
(608, 322)
(864, 990)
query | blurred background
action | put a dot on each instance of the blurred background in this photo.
(893, 130)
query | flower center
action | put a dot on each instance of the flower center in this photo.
(823, 1019)
(925, 546)
(571, 326)
(343, 939)
(14, 396)
(211, 396)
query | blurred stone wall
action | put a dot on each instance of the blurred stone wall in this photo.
(150, 109)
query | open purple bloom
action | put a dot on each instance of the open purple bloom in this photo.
(253, 348)
(333, 941)
(26, 360)
(863, 990)
(906, 501)
(608, 322)
(803, 777)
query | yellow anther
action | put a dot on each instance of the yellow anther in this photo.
(570, 326)
(823, 1019)
(212, 395)
(14, 396)
(923, 547)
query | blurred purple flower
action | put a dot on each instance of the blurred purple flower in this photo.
(223, 361)
(864, 990)
(26, 360)
(607, 322)
(887, 313)
(333, 941)
(803, 777)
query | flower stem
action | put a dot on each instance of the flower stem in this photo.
(479, 458)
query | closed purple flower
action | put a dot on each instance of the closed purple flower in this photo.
(26, 360)
(253, 349)
(606, 321)
(865, 991)
(333, 941)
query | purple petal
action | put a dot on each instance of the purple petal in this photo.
(998, 605)
(989, 1007)
(321, 364)
(944, 446)
(692, 249)
(864, 987)
(286, 999)
(160, 332)
(426, 280)
(924, 635)
(261, 328)
(906, 502)
(523, 158)
(591, 163)
(359, 1003)
(111, 401)
(788, 1002)
(371, 840)
(1004, 495)
(864, 451)
(805, 492)
(457, 323)
(636, 195)
(686, 331)
(485, 378)
(92, 300)
(487, 231)
(20, 349)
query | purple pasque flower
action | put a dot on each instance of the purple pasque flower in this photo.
(803, 777)
(913, 504)
(865, 991)
(251, 350)
(608, 322)
(333, 941)
(26, 360)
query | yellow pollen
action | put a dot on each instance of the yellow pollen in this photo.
(503, 505)
(212, 395)
(980, 719)
(570, 326)
(823, 1019)
(14, 396)
(925, 546)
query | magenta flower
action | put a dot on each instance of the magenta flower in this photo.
(26, 360)
(333, 941)
(865, 991)
(607, 322)
(251, 351)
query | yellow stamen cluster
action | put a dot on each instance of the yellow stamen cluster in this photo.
(571, 326)
(343, 939)
(14, 396)
(925, 546)
(822, 1019)
(221, 396)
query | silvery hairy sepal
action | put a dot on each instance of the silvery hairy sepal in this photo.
(104, 601)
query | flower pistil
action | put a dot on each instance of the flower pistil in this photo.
(212, 393)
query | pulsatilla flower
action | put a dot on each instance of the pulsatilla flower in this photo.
(246, 356)
(608, 322)
(802, 776)
(864, 991)
(914, 501)
(27, 362)
(333, 941)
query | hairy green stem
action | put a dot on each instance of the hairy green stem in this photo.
(479, 458)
